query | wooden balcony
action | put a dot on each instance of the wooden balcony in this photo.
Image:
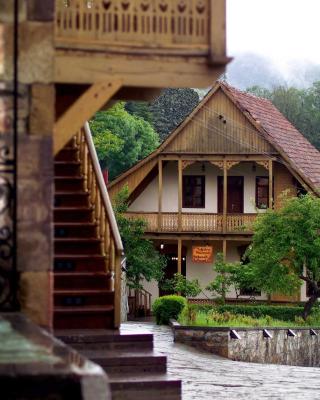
(170, 36)
(196, 222)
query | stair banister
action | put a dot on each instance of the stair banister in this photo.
(116, 244)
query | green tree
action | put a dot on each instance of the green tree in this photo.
(136, 138)
(285, 249)
(180, 284)
(143, 261)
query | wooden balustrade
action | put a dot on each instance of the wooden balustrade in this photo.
(103, 217)
(149, 24)
(139, 302)
(196, 222)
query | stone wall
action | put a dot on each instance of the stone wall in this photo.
(36, 115)
(302, 349)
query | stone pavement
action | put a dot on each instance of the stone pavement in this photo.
(205, 376)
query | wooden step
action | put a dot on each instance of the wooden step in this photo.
(77, 246)
(142, 386)
(82, 297)
(67, 168)
(71, 199)
(75, 230)
(79, 263)
(91, 317)
(81, 280)
(82, 339)
(68, 183)
(123, 361)
(68, 153)
(72, 214)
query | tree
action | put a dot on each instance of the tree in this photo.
(285, 249)
(227, 275)
(180, 284)
(136, 138)
(143, 261)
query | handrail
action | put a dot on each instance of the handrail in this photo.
(103, 189)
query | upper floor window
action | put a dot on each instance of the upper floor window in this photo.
(262, 192)
(193, 191)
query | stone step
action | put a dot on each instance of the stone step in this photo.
(71, 199)
(144, 387)
(72, 214)
(125, 361)
(85, 263)
(67, 183)
(81, 280)
(75, 230)
(106, 339)
(67, 168)
(77, 246)
(77, 297)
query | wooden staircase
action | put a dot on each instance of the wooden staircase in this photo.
(134, 370)
(86, 264)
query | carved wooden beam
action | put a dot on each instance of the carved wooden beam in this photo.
(218, 164)
(82, 110)
(264, 164)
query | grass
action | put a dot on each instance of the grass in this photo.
(226, 319)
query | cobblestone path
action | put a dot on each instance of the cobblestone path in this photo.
(207, 376)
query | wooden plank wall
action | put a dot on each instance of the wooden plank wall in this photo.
(283, 181)
(207, 133)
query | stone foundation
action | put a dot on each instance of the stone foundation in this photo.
(302, 349)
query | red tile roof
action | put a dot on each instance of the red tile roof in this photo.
(280, 132)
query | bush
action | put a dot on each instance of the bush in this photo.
(167, 307)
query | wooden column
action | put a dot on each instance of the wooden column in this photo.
(270, 184)
(225, 194)
(179, 194)
(217, 30)
(224, 249)
(159, 194)
(179, 256)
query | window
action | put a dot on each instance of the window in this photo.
(193, 191)
(262, 192)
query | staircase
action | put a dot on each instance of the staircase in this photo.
(86, 250)
(135, 372)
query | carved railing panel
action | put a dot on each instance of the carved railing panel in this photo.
(141, 23)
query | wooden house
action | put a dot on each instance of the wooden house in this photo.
(202, 189)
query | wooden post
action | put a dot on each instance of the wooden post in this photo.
(225, 195)
(117, 292)
(159, 194)
(217, 30)
(179, 256)
(270, 184)
(179, 194)
(224, 249)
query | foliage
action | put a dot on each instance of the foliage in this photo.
(285, 249)
(171, 108)
(131, 138)
(140, 109)
(228, 275)
(227, 318)
(300, 106)
(180, 284)
(143, 261)
(168, 307)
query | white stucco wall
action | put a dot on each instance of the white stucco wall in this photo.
(148, 199)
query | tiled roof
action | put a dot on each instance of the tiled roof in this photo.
(301, 153)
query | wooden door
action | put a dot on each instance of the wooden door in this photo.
(234, 195)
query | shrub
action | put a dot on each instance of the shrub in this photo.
(167, 307)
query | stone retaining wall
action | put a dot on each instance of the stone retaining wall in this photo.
(303, 349)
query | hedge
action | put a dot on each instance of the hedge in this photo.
(284, 313)
(168, 307)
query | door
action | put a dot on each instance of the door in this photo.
(234, 195)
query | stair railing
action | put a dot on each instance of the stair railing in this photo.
(99, 201)
(139, 302)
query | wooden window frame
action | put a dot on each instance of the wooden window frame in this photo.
(268, 197)
(203, 190)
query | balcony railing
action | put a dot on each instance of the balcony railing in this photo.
(180, 26)
(196, 222)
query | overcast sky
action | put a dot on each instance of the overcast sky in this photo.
(280, 29)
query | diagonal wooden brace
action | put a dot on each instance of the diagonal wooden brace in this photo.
(82, 110)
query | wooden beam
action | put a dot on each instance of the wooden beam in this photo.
(159, 194)
(217, 31)
(180, 194)
(82, 110)
(204, 238)
(179, 256)
(270, 184)
(225, 195)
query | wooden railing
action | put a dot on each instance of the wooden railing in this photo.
(107, 229)
(187, 26)
(195, 222)
(139, 302)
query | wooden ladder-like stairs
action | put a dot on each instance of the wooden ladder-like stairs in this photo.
(82, 295)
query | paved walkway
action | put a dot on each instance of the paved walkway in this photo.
(207, 376)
